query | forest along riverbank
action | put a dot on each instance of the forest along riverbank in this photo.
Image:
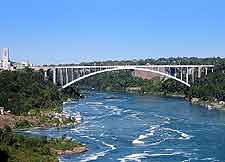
(28, 100)
(123, 127)
(14, 142)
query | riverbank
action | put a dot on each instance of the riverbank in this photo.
(210, 105)
(44, 119)
(46, 149)
(18, 147)
(13, 144)
(32, 101)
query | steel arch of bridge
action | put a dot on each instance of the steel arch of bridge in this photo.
(124, 68)
(67, 75)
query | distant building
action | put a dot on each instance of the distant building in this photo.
(21, 65)
(6, 65)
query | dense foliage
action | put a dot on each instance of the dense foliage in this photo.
(20, 148)
(163, 61)
(171, 86)
(210, 87)
(115, 81)
(21, 91)
(72, 91)
(122, 80)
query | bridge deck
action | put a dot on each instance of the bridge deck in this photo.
(122, 66)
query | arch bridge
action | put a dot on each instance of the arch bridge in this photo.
(68, 75)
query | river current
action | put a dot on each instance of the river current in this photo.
(122, 127)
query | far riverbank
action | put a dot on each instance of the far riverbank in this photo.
(209, 104)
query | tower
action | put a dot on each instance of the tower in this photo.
(5, 59)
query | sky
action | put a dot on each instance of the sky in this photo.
(73, 31)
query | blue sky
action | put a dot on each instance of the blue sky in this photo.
(72, 31)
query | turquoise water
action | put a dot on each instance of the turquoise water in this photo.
(122, 127)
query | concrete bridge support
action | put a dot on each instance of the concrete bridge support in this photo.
(72, 74)
(175, 72)
(67, 77)
(187, 74)
(181, 73)
(46, 74)
(61, 76)
(193, 75)
(199, 72)
(54, 76)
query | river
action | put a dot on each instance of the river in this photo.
(123, 127)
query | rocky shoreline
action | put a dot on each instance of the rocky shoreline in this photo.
(44, 120)
(75, 150)
(210, 105)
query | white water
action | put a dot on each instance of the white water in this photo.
(143, 129)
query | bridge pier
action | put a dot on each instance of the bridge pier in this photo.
(187, 73)
(199, 72)
(72, 75)
(54, 76)
(77, 74)
(67, 78)
(157, 68)
(181, 73)
(206, 71)
(61, 76)
(45, 74)
(193, 75)
(175, 72)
